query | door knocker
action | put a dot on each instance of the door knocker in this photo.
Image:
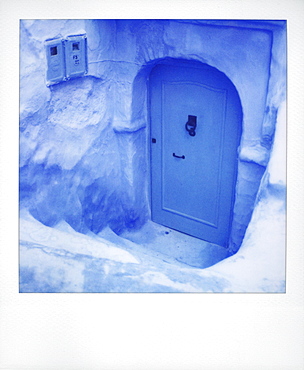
(191, 125)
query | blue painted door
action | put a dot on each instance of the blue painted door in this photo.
(195, 133)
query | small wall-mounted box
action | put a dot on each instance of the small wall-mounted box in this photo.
(76, 56)
(55, 60)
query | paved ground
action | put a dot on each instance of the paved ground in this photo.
(150, 260)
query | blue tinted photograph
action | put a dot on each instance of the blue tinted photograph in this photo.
(152, 156)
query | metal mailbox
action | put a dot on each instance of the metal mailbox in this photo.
(76, 56)
(55, 60)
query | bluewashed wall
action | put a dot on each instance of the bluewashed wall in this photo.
(83, 143)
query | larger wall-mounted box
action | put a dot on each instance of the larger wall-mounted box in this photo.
(55, 60)
(76, 56)
(66, 58)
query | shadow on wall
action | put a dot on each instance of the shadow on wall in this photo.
(70, 165)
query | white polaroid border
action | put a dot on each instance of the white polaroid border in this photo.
(149, 331)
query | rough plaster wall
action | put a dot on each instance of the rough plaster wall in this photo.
(83, 142)
(242, 54)
(70, 163)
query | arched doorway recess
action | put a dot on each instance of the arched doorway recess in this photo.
(195, 131)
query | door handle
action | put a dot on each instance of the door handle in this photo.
(178, 156)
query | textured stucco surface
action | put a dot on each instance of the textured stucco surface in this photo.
(83, 143)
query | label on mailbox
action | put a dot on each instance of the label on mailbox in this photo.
(55, 60)
(76, 56)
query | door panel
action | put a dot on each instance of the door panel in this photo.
(193, 176)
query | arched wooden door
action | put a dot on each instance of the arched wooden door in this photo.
(195, 133)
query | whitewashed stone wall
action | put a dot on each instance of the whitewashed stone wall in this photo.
(84, 142)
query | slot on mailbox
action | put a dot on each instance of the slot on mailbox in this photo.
(54, 50)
